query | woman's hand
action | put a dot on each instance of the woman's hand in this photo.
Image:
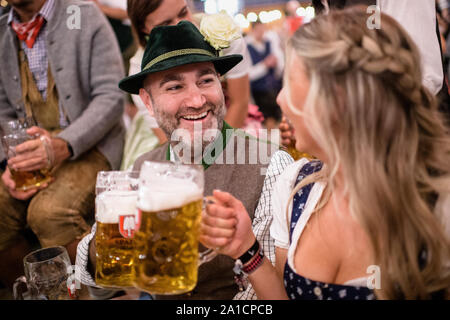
(226, 226)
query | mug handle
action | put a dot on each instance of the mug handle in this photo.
(208, 254)
(18, 286)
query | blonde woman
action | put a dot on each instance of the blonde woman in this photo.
(362, 223)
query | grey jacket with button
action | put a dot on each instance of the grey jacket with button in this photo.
(87, 65)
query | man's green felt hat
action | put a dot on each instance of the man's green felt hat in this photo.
(173, 46)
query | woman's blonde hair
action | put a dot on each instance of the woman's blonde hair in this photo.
(371, 116)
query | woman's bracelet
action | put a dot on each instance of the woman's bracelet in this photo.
(254, 264)
(251, 260)
(250, 253)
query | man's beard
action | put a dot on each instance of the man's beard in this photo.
(202, 137)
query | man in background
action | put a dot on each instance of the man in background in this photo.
(64, 75)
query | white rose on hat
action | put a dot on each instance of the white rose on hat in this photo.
(219, 30)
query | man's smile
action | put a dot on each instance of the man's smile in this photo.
(199, 116)
(196, 117)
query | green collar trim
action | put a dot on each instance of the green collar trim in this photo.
(227, 131)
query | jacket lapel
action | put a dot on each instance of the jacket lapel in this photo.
(11, 69)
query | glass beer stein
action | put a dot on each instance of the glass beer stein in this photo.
(46, 275)
(14, 133)
(115, 212)
(170, 202)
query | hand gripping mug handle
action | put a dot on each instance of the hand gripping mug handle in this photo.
(18, 287)
(208, 254)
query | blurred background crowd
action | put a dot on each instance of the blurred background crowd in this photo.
(265, 25)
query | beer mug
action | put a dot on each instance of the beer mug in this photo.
(46, 274)
(170, 202)
(14, 133)
(115, 212)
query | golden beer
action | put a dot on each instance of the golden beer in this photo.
(114, 256)
(116, 212)
(26, 180)
(167, 249)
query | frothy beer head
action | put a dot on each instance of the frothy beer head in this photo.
(165, 193)
(109, 205)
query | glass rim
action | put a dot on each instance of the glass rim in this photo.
(171, 164)
(116, 180)
(112, 176)
(19, 120)
(62, 248)
(177, 168)
(116, 172)
(13, 126)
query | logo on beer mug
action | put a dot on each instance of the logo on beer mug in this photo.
(128, 225)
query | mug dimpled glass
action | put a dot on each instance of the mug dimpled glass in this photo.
(46, 275)
(13, 133)
(170, 202)
(115, 211)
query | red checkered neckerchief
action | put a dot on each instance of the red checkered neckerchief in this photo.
(28, 31)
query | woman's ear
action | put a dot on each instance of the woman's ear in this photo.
(146, 98)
